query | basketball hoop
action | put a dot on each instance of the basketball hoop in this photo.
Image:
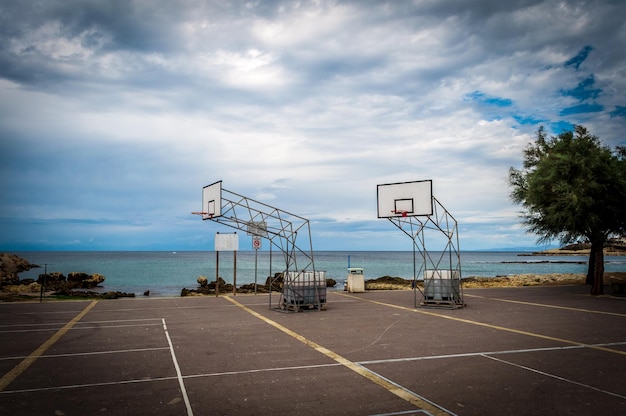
(401, 212)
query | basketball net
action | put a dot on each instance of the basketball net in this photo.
(402, 212)
(203, 214)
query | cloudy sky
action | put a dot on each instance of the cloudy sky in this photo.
(114, 114)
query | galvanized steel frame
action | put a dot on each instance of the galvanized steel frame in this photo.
(283, 229)
(449, 258)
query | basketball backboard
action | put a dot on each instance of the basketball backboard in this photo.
(405, 199)
(212, 200)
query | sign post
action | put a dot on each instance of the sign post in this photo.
(256, 245)
(226, 242)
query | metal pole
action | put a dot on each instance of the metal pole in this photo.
(256, 255)
(235, 273)
(414, 277)
(217, 273)
(270, 277)
(42, 290)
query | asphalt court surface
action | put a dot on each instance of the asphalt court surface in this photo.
(511, 351)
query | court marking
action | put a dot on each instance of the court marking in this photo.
(82, 354)
(24, 364)
(543, 305)
(277, 369)
(79, 323)
(497, 327)
(179, 375)
(376, 378)
(78, 328)
(543, 373)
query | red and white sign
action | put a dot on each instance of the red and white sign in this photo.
(256, 242)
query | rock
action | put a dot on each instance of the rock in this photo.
(203, 281)
(116, 295)
(11, 266)
(52, 281)
(276, 281)
(65, 292)
(146, 293)
(81, 280)
(74, 280)
(388, 283)
(249, 288)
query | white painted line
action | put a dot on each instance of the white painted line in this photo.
(79, 354)
(80, 386)
(464, 354)
(120, 320)
(262, 370)
(113, 326)
(79, 325)
(409, 391)
(13, 331)
(544, 305)
(178, 373)
(406, 412)
(146, 380)
(474, 354)
(543, 373)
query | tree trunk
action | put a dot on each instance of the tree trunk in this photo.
(592, 265)
(598, 271)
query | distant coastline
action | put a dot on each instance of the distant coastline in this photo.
(581, 249)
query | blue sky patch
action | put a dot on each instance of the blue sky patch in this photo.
(483, 98)
(579, 58)
(583, 90)
(561, 126)
(582, 109)
(528, 120)
(618, 112)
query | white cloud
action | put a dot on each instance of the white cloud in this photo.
(306, 106)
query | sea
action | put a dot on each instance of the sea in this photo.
(166, 273)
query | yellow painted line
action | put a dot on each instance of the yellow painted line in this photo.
(500, 328)
(26, 362)
(375, 378)
(567, 308)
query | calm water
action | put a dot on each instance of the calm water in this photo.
(166, 273)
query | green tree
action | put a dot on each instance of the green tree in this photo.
(572, 187)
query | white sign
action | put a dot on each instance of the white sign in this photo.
(258, 228)
(226, 242)
(256, 242)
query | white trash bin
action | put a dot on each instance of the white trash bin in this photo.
(356, 280)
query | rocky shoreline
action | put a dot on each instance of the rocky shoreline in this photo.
(520, 280)
(48, 285)
(78, 285)
(581, 249)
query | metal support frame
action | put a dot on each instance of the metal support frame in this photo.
(303, 287)
(441, 269)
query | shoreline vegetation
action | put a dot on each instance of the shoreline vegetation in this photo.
(611, 248)
(25, 291)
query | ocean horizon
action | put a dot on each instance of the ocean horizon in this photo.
(166, 273)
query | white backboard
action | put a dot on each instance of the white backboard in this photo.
(212, 200)
(226, 242)
(411, 199)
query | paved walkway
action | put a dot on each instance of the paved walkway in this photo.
(511, 351)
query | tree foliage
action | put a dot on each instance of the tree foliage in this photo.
(572, 187)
